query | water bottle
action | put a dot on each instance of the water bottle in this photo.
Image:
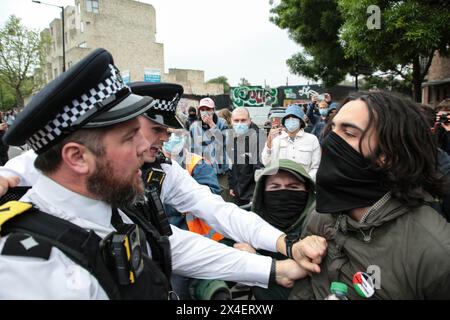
(338, 291)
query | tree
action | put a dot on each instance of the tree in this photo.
(388, 82)
(221, 80)
(244, 83)
(21, 59)
(314, 24)
(410, 33)
(7, 96)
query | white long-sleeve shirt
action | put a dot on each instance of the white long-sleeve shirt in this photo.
(60, 278)
(183, 193)
(304, 149)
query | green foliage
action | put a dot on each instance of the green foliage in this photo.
(315, 25)
(244, 83)
(408, 29)
(388, 82)
(335, 37)
(7, 97)
(21, 59)
(411, 31)
(221, 80)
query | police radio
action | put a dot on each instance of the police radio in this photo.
(153, 209)
(122, 251)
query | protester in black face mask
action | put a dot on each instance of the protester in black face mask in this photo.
(192, 117)
(284, 195)
(377, 177)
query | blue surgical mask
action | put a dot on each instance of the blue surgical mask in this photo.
(174, 145)
(240, 128)
(323, 112)
(292, 124)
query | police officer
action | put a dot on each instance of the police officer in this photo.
(84, 129)
(183, 193)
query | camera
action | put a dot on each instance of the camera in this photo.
(444, 118)
(122, 252)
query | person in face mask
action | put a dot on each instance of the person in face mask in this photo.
(248, 141)
(209, 141)
(293, 142)
(203, 172)
(284, 196)
(192, 117)
(326, 111)
(375, 185)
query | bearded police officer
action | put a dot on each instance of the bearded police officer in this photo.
(83, 127)
(183, 193)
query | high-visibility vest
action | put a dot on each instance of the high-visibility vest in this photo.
(194, 223)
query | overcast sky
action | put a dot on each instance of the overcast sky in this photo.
(232, 38)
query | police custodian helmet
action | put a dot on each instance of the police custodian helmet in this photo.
(167, 96)
(91, 94)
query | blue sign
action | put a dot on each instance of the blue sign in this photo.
(152, 75)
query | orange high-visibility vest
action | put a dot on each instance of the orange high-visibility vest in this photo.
(195, 224)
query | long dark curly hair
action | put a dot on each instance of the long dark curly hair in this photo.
(405, 145)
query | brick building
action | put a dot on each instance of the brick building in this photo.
(437, 85)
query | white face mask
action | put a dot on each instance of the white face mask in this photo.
(205, 113)
(292, 124)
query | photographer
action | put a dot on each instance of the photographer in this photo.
(319, 104)
(442, 125)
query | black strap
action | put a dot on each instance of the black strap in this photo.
(14, 194)
(159, 244)
(23, 245)
(78, 244)
(116, 219)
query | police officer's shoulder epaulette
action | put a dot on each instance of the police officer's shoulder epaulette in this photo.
(21, 244)
(11, 209)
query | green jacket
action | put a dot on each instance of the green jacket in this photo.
(275, 292)
(409, 247)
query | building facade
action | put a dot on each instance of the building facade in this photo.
(437, 85)
(127, 29)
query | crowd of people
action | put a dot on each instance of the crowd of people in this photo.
(332, 193)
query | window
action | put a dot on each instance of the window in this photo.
(51, 31)
(82, 26)
(92, 6)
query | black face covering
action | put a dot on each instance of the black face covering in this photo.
(192, 115)
(284, 207)
(344, 179)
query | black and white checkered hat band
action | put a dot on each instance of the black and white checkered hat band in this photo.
(164, 105)
(76, 109)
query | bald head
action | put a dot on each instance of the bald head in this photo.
(240, 115)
